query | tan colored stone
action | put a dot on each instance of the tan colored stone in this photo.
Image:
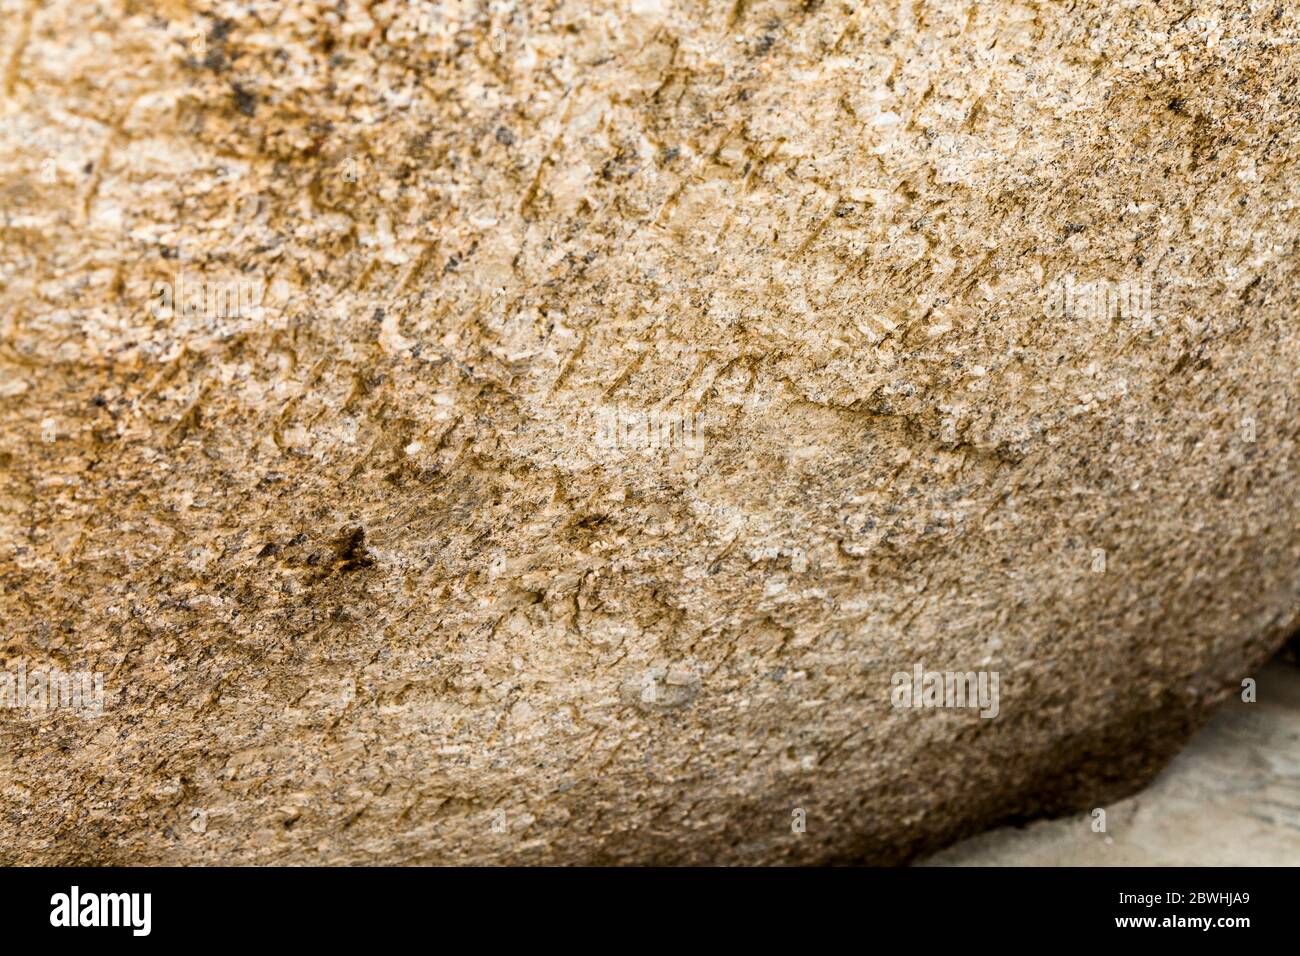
(393, 568)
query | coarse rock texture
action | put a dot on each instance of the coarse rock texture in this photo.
(966, 334)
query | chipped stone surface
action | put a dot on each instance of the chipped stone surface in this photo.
(353, 359)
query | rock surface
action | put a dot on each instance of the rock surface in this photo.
(615, 395)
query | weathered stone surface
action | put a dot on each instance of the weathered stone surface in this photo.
(378, 565)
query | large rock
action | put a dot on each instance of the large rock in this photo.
(961, 336)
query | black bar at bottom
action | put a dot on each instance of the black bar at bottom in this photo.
(662, 907)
